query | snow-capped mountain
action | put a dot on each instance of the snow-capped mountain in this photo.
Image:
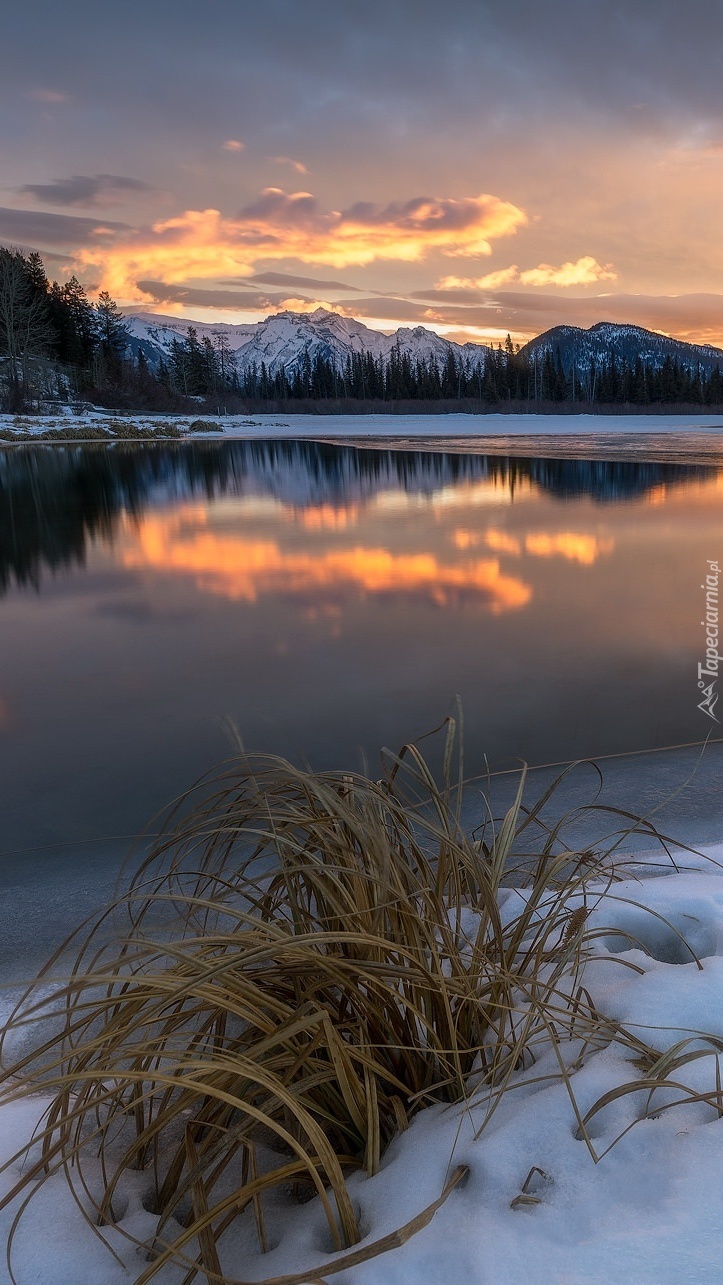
(578, 347)
(281, 340)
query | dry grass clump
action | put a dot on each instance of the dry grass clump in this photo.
(71, 433)
(204, 426)
(310, 960)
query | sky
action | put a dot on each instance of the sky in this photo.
(477, 167)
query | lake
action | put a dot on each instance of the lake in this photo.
(326, 601)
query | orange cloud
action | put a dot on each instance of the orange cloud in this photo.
(281, 225)
(583, 272)
(237, 568)
(233, 145)
(492, 280)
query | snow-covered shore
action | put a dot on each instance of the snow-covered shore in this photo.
(385, 426)
(647, 1212)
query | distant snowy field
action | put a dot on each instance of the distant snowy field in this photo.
(373, 426)
(647, 1213)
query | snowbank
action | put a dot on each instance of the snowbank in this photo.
(535, 1206)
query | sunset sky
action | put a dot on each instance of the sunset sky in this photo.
(473, 166)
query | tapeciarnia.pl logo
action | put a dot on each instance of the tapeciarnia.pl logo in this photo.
(712, 657)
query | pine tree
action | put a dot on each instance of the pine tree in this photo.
(111, 329)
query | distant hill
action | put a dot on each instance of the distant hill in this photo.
(577, 348)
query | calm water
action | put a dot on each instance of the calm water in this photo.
(328, 601)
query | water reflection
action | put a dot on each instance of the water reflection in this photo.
(328, 601)
(233, 567)
(55, 501)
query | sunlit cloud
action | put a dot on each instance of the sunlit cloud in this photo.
(233, 145)
(583, 272)
(243, 569)
(289, 160)
(491, 281)
(281, 225)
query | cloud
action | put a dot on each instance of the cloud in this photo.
(208, 298)
(275, 208)
(36, 228)
(454, 227)
(583, 272)
(233, 145)
(289, 160)
(281, 225)
(82, 189)
(51, 96)
(304, 283)
(466, 284)
(476, 316)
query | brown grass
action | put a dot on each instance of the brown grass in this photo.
(311, 959)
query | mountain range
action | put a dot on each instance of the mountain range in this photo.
(282, 340)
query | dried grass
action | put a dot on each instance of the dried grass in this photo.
(311, 959)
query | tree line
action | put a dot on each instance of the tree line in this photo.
(57, 345)
(53, 340)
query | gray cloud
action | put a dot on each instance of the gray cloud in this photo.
(84, 189)
(288, 279)
(696, 317)
(275, 206)
(36, 228)
(198, 297)
(305, 73)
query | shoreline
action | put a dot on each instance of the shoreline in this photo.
(658, 438)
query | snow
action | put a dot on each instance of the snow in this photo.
(647, 1212)
(282, 338)
(470, 429)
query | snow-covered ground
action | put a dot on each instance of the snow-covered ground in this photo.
(373, 426)
(647, 1212)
